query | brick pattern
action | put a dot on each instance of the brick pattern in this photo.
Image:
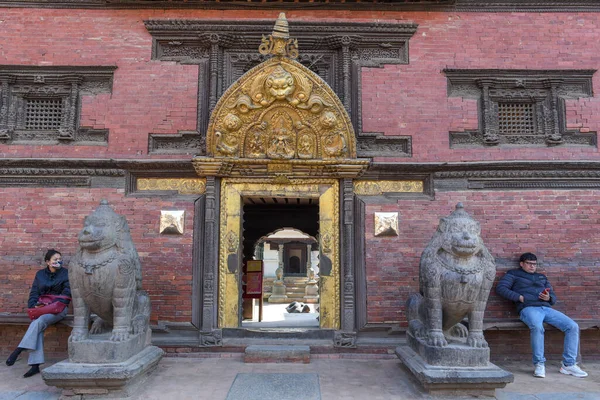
(33, 220)
(561, 227)
(161, 97)
(511, 345)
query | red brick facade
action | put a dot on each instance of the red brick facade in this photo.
(150, 96)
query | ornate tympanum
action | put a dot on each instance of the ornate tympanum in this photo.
(280, 112)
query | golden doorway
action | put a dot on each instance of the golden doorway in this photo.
(233, 191)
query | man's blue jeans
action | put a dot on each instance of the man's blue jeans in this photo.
(534, 318)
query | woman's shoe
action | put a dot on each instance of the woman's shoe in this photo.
(13, 356)
(35, 369)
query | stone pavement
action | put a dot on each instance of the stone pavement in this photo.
(338, 378)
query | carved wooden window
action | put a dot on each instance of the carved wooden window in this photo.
(519, 107)
(42, 104)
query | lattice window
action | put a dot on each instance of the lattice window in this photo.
(521, 107)
(516, 119)
(43, 114)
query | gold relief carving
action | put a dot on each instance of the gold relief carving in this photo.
(181, 185)
(386, 224)
(281, 180)
(375, 188)
(280, 110)
(326, 242)
(227, 137)
(171, 222)
(232, 242)
(279, 167)
(334, 141)
(279, 43)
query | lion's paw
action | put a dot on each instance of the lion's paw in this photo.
(476, 340)
(436, 339)
(458, 330)
(97, 326)
(119, 335)
(139, 324)
(77, 335)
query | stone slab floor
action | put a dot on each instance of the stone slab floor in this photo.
(348, 379)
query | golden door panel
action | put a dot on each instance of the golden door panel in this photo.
(230, 252)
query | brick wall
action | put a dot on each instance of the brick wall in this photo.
(33, 220)
(561, 227)
(160, 97)
(514, 345)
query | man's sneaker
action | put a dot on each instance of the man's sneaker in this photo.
(572, 370)
(540, 371)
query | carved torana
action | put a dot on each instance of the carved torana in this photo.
(280, 120)
(334, 51)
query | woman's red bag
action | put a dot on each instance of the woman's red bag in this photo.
(51, 306)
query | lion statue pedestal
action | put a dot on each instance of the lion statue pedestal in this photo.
(110, 354)
(456, 274)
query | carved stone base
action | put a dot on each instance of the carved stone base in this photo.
(278, 293)
(456, 354)
(279, 299)
(100, 349)
(103, 380)
(311, 299)
(445, 380)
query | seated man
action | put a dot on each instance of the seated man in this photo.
(534, 297)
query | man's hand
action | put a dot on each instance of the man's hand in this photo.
(521, 299)
(545, 295)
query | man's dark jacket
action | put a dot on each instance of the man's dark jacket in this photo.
(47, 282)
(517, 282)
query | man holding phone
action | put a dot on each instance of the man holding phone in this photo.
(534, 297)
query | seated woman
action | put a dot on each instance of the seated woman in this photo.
(51, 280)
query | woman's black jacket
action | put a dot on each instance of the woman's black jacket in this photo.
(47, 282)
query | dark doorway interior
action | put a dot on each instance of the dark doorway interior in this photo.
(260, 219)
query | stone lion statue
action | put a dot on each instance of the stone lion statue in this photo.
(106, 279)
(455, 277)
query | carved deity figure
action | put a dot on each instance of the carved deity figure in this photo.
(227, 140)
(282, 137)
(455, 276)
(106, 279)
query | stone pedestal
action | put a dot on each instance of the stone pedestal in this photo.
(456, 369)
(103, 380)
(100, 349)
(278, 294)
(311, 292)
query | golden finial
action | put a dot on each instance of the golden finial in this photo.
(279, 43)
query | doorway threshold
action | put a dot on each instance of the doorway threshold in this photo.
(278, 333)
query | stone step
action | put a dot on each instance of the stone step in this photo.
(277, 354)
(294, 290)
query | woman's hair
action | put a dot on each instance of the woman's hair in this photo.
(50, 253)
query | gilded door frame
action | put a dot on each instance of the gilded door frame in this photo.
(232, 192)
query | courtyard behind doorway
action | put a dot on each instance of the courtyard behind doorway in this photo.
(281, 234)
